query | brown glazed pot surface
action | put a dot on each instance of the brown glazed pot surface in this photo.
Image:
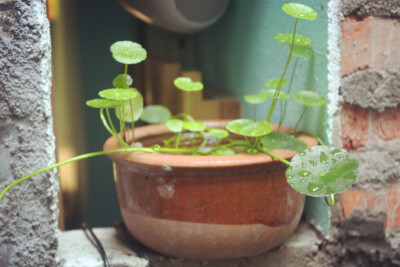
(205, 207)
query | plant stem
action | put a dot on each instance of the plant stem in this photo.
(178, 139)
(125, 78)
(278, 89)
(289, 90)
(101, 153)
(254, 112)
(187, 102)
(301, 117)
(269, 153)
(330, 200)
(133, 121)
(112, 132)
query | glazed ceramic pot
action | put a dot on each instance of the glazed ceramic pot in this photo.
(205, 207)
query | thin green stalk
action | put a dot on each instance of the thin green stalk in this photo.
(187, 102)
(100, 153)
(178, 139)
(330, 200)
(133, 121)
(269, 153)
(125, 78)
(254, 112)
(289, 90)
(301, 117)
(278, 89)
(113, 133)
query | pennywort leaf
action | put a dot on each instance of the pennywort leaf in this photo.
(299, 40)
(186, 84)
(105, 103)
(321, 171)
(122, 81)
(118, 94)
(154, 114)
(127, 52)
(174, 125)
(300, 11)
(274, 82)
(255, 99)
(302, 51)
(135, 105)
(249, 128)
(309, 98)
(282, 141)
(218, 133)
(194, 126)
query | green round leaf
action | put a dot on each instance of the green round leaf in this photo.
(258, 128)
(225, 151)
(321, 171)
(300, 11)
(255, 99)
(194, 126)
(120, 82)
(136, 103)
(274, 83)
(186, 84)
(237, 125)
(250, 128)
(219, 133)
(127, 52)
(174, 125)
(309, 98)
(154, 114)
(282, 141)
(299, 40)
(105, 103)
(118, 94)
(269, 93)
(302, 51)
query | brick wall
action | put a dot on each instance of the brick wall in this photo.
(370, 121)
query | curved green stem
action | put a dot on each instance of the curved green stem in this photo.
(269, 153)
(301, 117)
(330, 200)
(178, 139)
(289, 90)
(100, 153)
(113, 133)
(278, 88)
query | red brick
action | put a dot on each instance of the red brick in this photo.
(386, 125)
(355, 126)
(386, 200)
(371, 42)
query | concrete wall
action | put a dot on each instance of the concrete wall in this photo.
(28, 212)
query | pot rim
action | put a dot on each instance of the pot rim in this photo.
(212, 161)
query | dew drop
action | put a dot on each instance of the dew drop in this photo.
(303, 165)
(323, 158)
(304, 173)
(313, 187)
(312, 162)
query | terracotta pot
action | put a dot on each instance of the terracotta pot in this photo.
(205, 207)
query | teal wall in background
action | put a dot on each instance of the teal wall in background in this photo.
(236, 55)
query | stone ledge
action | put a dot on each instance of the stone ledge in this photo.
(75, 249)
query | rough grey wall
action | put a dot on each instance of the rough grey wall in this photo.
(28, 212)
(377, 8)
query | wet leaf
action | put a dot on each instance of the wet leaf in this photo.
(274, 83)
(105, 103)
(309, 98)
(225, 151)
(255, 99)
(219, 133)
(119, 81)
(322, 170)
(194, 126)
(127, 52)
(249, 128)
(302, 51)
(299, 40)
(174, 125)
(282, 141)
(154, 114)
(186, 84)
(300, 11)
(136, 104)
(118, 94)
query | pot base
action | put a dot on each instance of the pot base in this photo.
(206, 241)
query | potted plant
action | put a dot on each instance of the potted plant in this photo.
(215, 189)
